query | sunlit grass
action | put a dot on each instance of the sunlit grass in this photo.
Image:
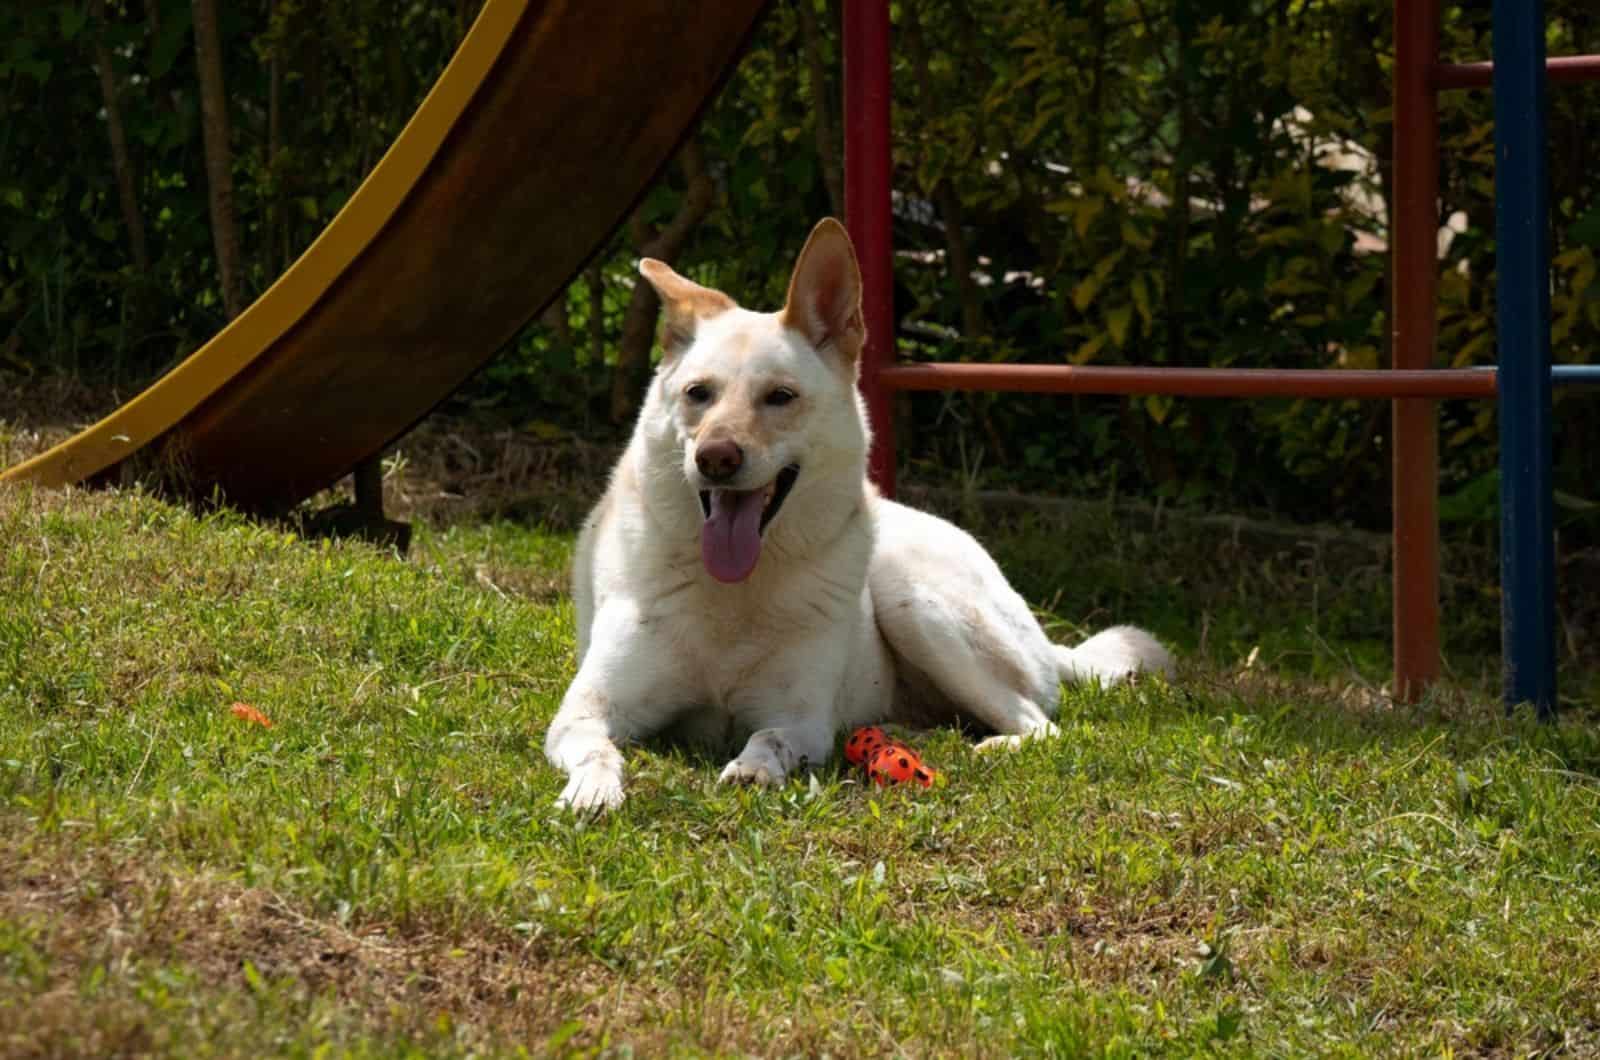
(1261, 856)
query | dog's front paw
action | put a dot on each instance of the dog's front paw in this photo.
(592, 790)
(763, 771)
(1012, 741)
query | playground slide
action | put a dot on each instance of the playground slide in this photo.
(549, 123)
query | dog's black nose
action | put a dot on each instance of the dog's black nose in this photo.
(719, 461)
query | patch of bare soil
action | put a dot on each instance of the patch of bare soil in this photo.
(453, 470)
(36, 412)
(449, 469)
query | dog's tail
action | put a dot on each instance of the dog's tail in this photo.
(1113, 655)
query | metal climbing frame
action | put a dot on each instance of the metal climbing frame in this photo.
(1522, 380)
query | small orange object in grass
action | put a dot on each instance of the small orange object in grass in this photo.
(245, 712)
(897, 764)
(864, 743)
(886, 761)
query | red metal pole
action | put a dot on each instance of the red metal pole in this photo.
(868, 211)
(1415, 275)
(1194, 382)
(1563, 70)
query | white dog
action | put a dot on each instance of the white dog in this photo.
(741, 577)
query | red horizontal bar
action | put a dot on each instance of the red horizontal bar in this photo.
(1195, 382)
(1566, 70)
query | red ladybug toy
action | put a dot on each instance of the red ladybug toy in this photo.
(897, 764)
(864, 743)
(886, 761)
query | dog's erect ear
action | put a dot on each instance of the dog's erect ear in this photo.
(685, 304)
(825, 293)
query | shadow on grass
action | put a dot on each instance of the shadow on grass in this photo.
(1292, 713)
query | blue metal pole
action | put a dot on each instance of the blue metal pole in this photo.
(1527, 524)
(1575, 375)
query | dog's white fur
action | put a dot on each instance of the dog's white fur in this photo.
(858, 610)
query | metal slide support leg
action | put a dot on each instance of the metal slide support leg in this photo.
(368, 478)
(869, 210)
(364, 518)
(1527, 525)
(1416, 276)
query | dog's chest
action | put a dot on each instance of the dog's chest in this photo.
(737, 645)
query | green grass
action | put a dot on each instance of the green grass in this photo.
(1255, 860)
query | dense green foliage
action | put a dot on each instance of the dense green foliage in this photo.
(1191, 182)
(71, 296)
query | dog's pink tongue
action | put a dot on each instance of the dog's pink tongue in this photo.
(730, 540)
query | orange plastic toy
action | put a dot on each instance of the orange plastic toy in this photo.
(886, 761)
(863, 743)
(897, 764)
(245, 712)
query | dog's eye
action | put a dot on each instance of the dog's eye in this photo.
(698, 393)
(781, 396)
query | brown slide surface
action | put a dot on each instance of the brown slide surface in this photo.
(549, 123)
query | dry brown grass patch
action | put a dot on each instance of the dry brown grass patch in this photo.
(83, 910)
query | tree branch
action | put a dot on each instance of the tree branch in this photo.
(639, 320)
(121, 159)
(822, 108)
(959, 260)
(219, 154)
